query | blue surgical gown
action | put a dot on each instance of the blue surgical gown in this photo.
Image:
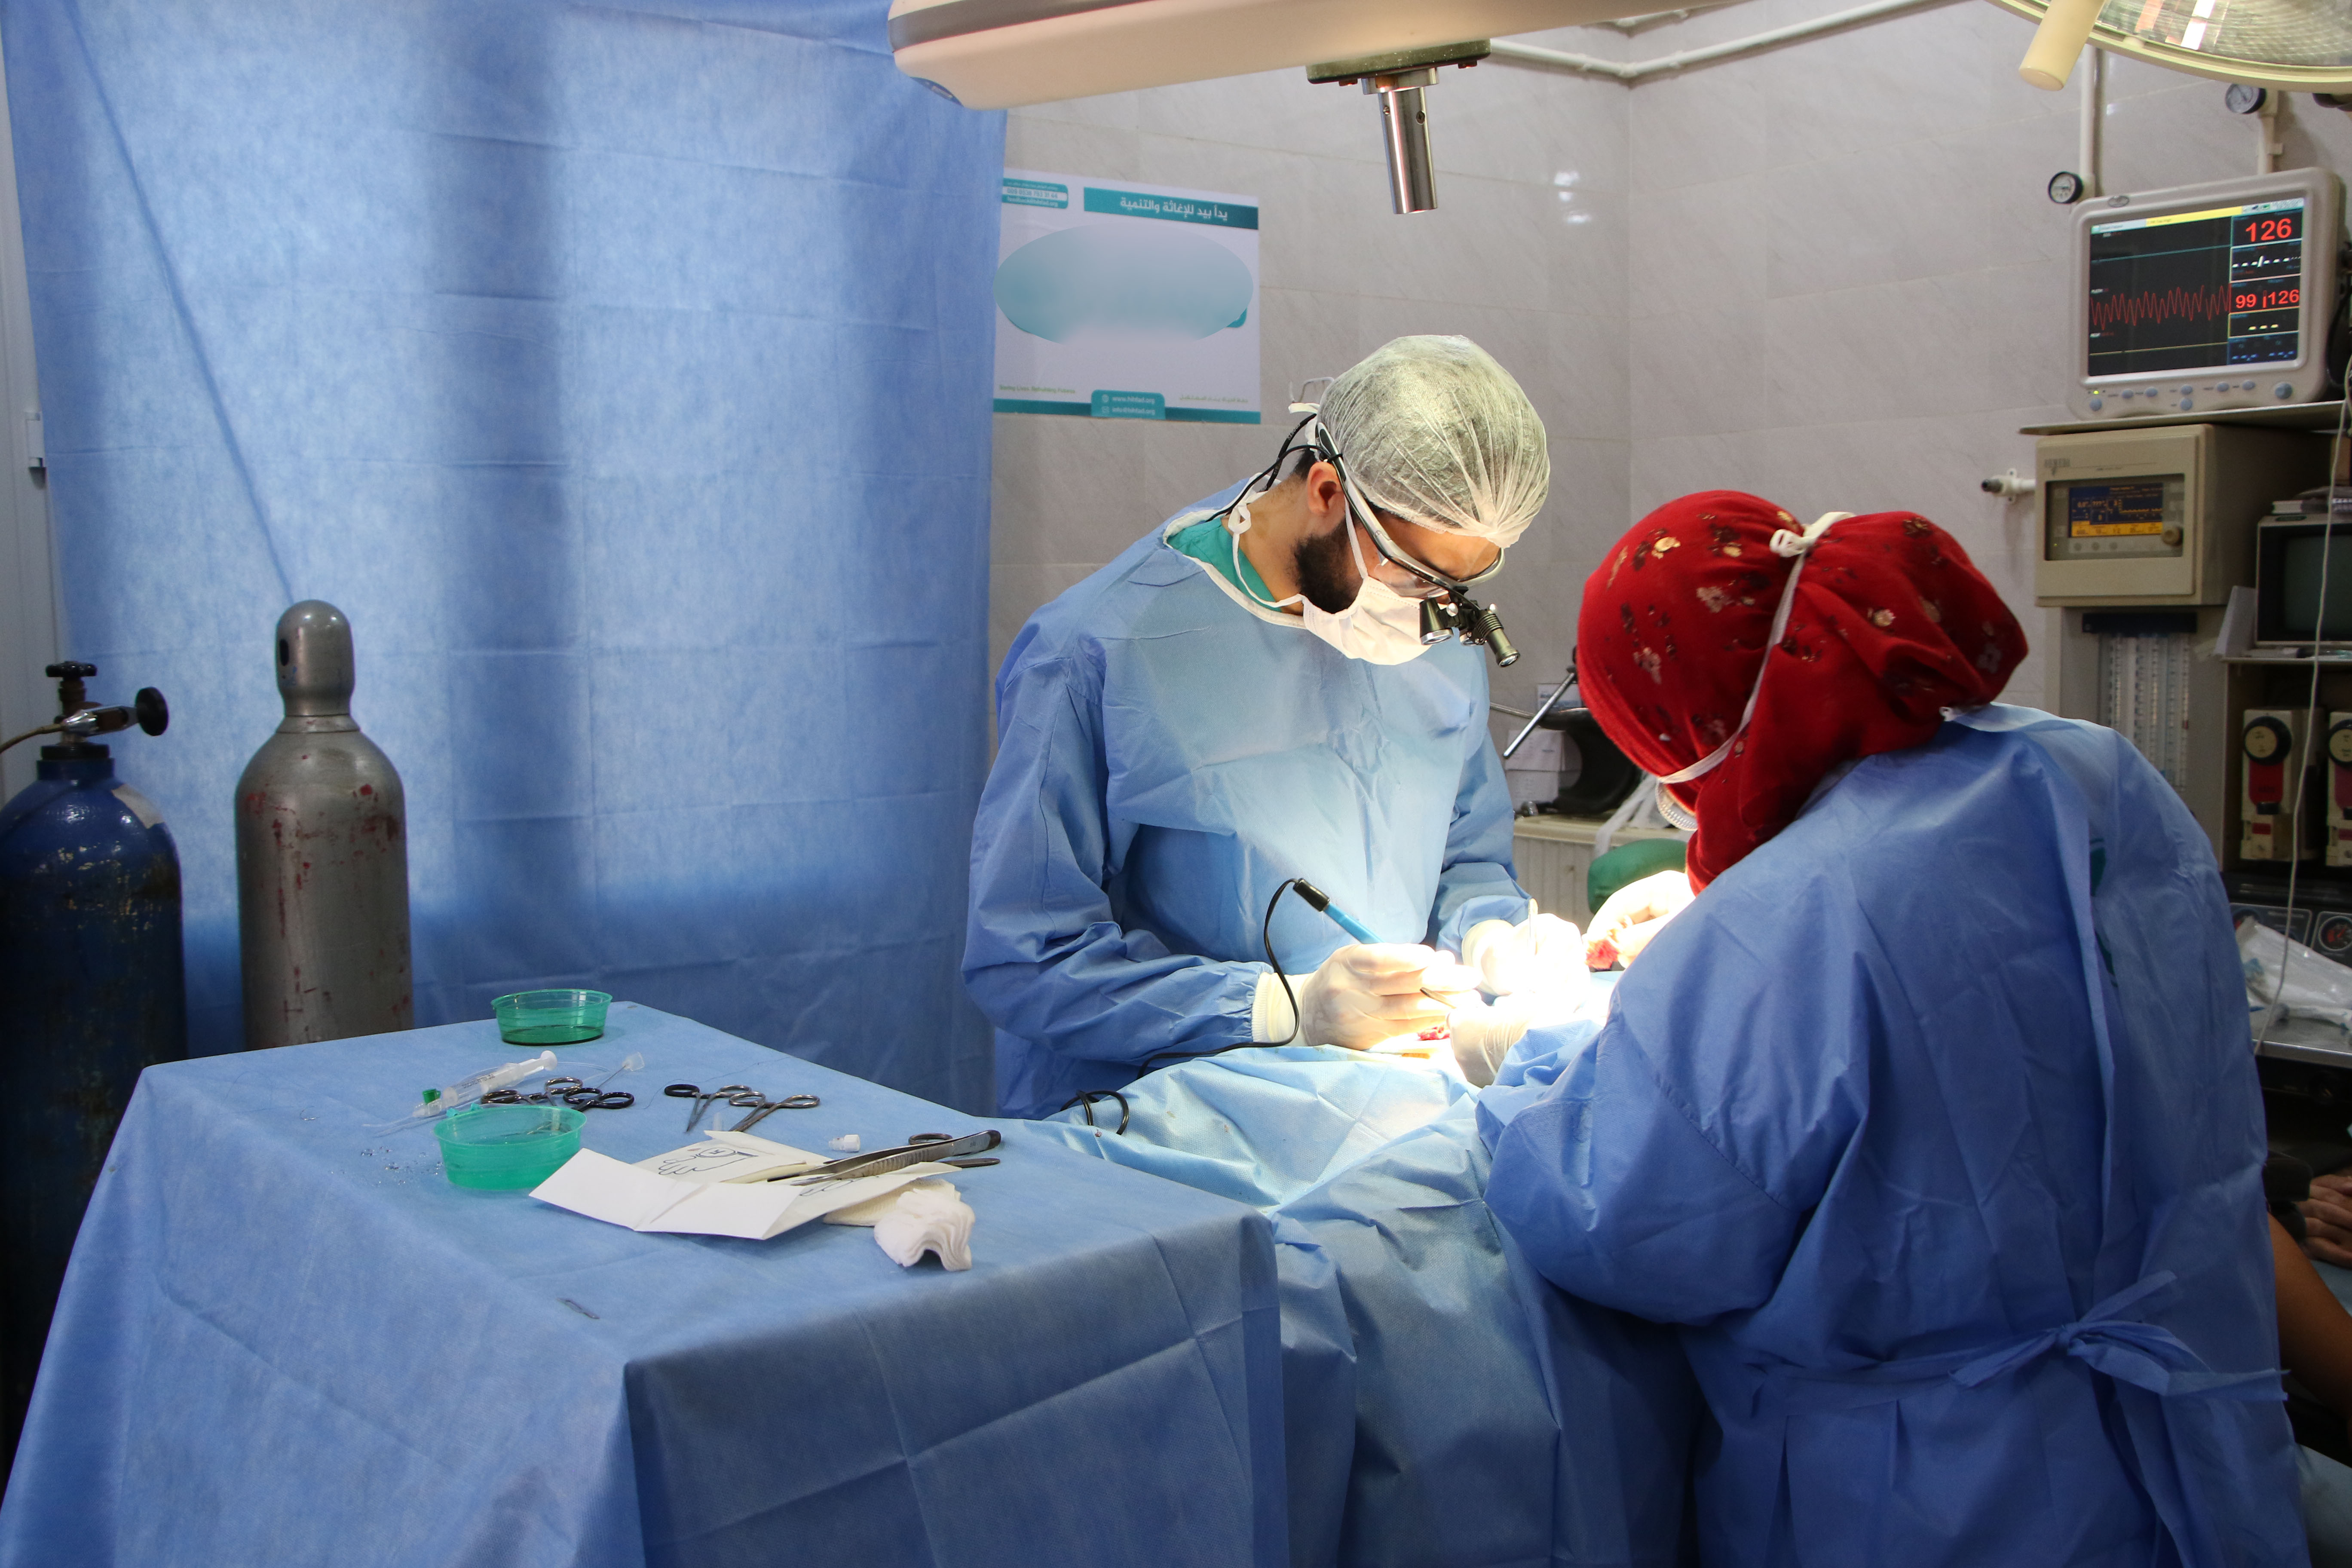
(1166, 758)
(1935, 1122)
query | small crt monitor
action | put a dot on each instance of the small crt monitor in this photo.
(2206, 298)
(2302, 582)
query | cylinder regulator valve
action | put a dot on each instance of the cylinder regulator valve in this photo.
(78, 718)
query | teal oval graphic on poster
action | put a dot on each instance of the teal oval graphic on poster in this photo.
(1112, 279)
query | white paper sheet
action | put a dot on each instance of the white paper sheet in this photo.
(724, 1156)
(710, 1194)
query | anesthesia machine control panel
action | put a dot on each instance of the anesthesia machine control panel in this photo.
(2145, 532)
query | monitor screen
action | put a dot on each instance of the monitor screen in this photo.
(2298, 596)
(2196, 290)
(2105, 519)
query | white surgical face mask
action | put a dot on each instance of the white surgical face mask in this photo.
(1381, 627)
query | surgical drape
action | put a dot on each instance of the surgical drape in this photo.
(622, 372)
(1441, 1402)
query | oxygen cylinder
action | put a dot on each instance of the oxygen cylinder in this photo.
(90, 993)
(321, 856)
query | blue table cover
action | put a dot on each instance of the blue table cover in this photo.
(284, 1341)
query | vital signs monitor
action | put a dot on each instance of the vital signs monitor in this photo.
(2207, 298)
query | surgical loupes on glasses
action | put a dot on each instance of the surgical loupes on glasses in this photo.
(1459, 614)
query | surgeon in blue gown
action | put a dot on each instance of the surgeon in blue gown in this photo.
(1933, 1119)
(1241, 698)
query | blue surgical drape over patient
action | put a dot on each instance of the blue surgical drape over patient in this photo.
(1934, 1121)
(1166, 758)
(622, 371)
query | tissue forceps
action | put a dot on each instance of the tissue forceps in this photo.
(702, 1098)
(881, 1161)
(763, 1106)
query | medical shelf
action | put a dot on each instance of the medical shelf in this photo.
(2292, 416)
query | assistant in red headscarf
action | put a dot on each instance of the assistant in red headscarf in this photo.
(1933, 1121)
(1889, 624)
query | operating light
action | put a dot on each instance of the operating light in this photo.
(2302, 45)
(1003, 54)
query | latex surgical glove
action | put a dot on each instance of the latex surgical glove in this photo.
(1635, 915)
(1539, 952)
(1482, 1035)
(1366, 994)
(2328, 1220)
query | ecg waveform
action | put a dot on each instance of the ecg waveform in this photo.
(2146, 306)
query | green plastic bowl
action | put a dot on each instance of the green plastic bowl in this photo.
(550, 1017)
(498, 1148)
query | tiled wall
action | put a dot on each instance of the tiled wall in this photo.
(1827, 274)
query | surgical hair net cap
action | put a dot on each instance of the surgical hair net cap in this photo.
(1435, 431)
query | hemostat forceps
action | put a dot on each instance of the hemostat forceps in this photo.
(703, 1096)
(763, 1106)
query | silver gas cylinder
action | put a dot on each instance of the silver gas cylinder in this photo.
(321, 856)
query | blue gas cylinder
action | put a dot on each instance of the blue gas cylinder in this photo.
(90, 993)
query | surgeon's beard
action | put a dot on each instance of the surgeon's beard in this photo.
(1325, 572)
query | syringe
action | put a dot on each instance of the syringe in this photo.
(467, 1090)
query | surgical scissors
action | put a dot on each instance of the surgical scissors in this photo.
(568, 1092)
(575, 1093)
(595, 1096)
(763, 1106)
(702, 1098)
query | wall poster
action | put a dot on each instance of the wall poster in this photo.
(1121, 300)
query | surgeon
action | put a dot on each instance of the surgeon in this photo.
(1252, 693)
(1933, 1117)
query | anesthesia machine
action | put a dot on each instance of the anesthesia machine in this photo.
(2204, 600)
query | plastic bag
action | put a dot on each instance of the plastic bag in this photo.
(2286, 979)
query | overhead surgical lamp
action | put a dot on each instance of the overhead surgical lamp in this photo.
(1004, 54)
(2300, 46)
(1399, 77)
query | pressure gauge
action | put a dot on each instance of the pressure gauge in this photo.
(2245, 98)
(2065, 187)
(2334, 937)
(2267, 740)
(2339, 744)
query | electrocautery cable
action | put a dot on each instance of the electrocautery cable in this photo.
(1265, 940)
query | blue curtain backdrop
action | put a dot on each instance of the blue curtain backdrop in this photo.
(623, 373)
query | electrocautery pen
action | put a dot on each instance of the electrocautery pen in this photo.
(1319, 900)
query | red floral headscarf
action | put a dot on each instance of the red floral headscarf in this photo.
(1890, 624)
